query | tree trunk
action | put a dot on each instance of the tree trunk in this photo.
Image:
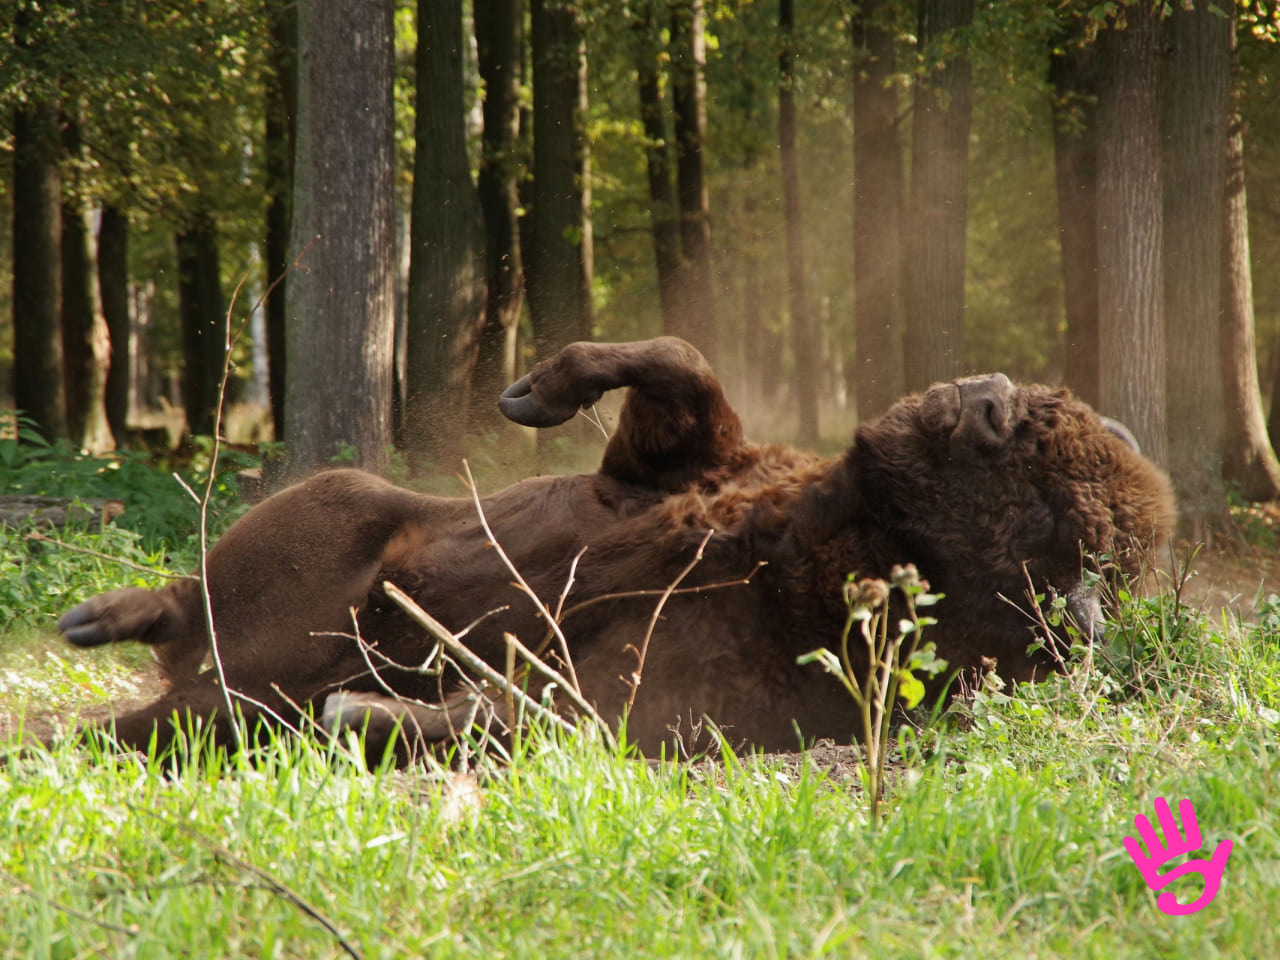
(341, 310)
(113, 291)
(281, 111)
(876, 373)
(37, 271)
(446, 268)
(499, 32)
(558, 261)
(1197, 92)
(1251, 464)
(202, 316)
(804, 335)
(1130, 231)
(663, 219)
(689, 100)
(1073, 74)
(934, 347)
(79, 363)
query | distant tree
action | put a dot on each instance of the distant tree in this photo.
(83, 378)
(38, 380)
(1196, 95)
(202, 316)
(558, 256)
(499, 41)
(934, 348)
(446, 308)
(1073, 78)
(688, 50)
(113, 293)
(341, 307)
(278, 141)
(1250, 464)
(664, 222)
(1130, 229)
(804, 334)
(875, 376)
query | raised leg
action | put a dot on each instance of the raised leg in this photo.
(676, 425)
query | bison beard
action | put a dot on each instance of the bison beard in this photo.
(980, 483)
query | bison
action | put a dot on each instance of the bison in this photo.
(985, 486)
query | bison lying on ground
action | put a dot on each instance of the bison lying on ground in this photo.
(980, 483)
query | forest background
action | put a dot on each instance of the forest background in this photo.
(835, 202)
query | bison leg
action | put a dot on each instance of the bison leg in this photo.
(675, 426)
(411, 728)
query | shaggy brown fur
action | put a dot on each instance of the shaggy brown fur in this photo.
(970, 481)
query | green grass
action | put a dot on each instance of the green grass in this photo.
(1001, 836)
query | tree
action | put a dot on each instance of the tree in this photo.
(558, 259)
(113, 293)
(37, 261)
(499, 37)
(934, 348)
(1130, 229)
(446, 268)
(1250, 463)
(1196, 94)
(341, 306)
(1074, 81)
(804, 336)
(663, 221)
(202, 317)
(689, 100)
(876, 374)
(278, 142)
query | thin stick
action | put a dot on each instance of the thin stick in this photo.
(643, 652)
(520, 581)
(568, 584)
(463, 653)
(542, 667)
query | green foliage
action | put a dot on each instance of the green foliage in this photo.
(157, 507)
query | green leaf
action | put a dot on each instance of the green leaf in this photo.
(910, 689)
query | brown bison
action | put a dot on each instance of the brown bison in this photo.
(980, 483)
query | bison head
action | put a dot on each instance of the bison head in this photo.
(985, 483)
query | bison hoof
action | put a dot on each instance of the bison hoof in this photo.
(519, 404)
(344, 711)
(81, 627)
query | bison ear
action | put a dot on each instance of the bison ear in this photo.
(1121, 431)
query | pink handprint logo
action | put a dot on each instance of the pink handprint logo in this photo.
(1175, 846)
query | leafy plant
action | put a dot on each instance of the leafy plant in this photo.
(892, 662)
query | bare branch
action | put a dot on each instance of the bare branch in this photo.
(636, 678)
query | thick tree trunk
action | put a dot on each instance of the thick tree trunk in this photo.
(113, 291)
(498, 41)
(558, 258)
(1130, 231)
(876, 373)
(446, 266)
(1073, 75)
(37, 272)
(1251, 464)
(1197, 91)
(663, 211)
(281, 110)
(804, 334)
(341, 310)
(202, 315)
(689, 100)
(934, 346)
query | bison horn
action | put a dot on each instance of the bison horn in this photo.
(1085, 610)
(518, 404)
(1121, 431)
